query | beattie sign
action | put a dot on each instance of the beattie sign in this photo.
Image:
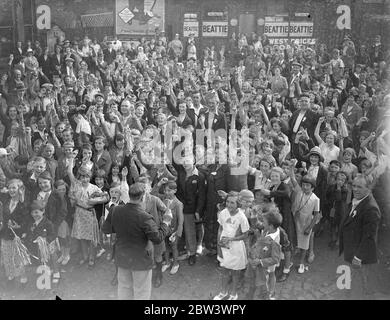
(215, 29)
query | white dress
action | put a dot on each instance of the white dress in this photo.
(234, 258)
(329, 154)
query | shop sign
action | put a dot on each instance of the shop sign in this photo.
(215, 29)
(285, 29)
(43, 17)
(190, 27)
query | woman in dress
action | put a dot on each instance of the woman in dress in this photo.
(15, 214)
(85, 196)
(279, 83)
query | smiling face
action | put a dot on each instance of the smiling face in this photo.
(44, 184)
(85, 179)
(12, 113)
(232, 204)
(360, 188)
(99, 145)
(307, 188)
(13, 189)
(314, 159)
(329, 139)
(48, 152)
(39, 167)
(275, 178)
(37, 214)
(265, 168)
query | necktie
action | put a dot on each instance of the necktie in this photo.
(354, 205)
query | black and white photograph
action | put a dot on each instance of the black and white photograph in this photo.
(199, 150)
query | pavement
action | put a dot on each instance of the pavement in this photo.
(201, 281)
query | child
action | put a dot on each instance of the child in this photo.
(336, 197)
(334, 167)
(40, 238)
(349, 168)
(232, 232)
(62, 190)
(264, 255)
(107, 233)
(318, 172)
(85, 226)
(171, 241)
(306, 211)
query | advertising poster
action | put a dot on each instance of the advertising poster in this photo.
(139, 17)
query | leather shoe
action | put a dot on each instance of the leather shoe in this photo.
(157, 282)
(192, 260)
(283, 277)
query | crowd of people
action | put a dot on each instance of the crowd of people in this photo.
(245, 152)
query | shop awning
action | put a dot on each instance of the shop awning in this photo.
(105, 19)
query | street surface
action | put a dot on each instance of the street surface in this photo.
(201, 281)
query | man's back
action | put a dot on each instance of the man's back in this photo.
(133, 228)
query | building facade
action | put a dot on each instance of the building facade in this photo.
(212, 21)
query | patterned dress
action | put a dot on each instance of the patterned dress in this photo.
(85, 225)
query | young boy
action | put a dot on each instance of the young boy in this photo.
(264, 255)
(176, 232)
(40, 232)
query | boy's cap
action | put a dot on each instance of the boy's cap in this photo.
(37, 205)
(246, 194)
(171, 185)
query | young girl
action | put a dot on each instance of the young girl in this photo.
(62, 190)
(264, 255)
(232, 231)
(85, 226)
(306, 211)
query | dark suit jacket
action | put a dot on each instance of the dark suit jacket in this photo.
(321, 183)
(309, 122)
(133, 228)
(46, 65)
(104, 162)
(55, 62)
(109, 57)
(19, 215)
(218, 123)
(358, 234)
(194, 118)
(43, 229)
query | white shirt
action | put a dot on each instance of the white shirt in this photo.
(355, 203)
(313, 171)
(117, 45)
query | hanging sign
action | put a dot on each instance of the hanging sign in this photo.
(215, 29)
(43, 17)
(190, 27)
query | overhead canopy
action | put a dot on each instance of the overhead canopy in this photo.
(105, 19)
